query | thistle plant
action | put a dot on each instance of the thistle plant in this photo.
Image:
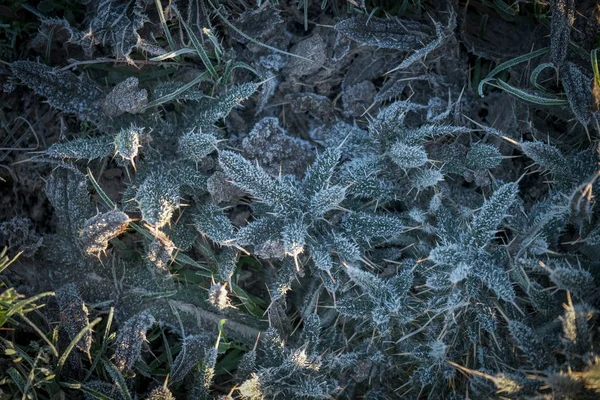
(400, 254)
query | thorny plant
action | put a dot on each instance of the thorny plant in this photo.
(401, 256)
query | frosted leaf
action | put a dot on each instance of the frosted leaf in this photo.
(74, 315)
(390, 121)
(442, 34)
(126, 97)
(356, 141)
(563, 16)
(496, 278)
(577, 336)
(357, 307)
(272, 348)
(361, 177)
(346, 248)
(549, 158)
(578, 89)
(270, 84)
(248, 176)
(83, 148)
(227, 263)
(311, 330)
(128, 344)
(483, 156)
(257, 24)
(357, 98)
(160, 393)
(407, 157)
(246, 366)
(160, 252)
(218, 297)
(184, 173)
(294, 237)
(326, 200)
(196, 145)
(109, 390)
(165, 89)
(63, 89)
(321, 257)
(116, 25)
(157, 197)
(372, 285)
(319, 174)
(391, 33)
(208, 111)
(127, 144)
(541, 299)
(19, 236)
(251, 389)
(205, 375)
(220, 189)
(493, 212)
(191, 353)
(314, 49)
(368, 226)
(459, 273)
(578, 281)
(530, 344)
(211, 222)
(416, 136)
(67, 191)
(276, 151)
(260, 231)
(101, 228)
(425, 178)
(254, 180)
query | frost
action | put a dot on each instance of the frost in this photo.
(126, 97)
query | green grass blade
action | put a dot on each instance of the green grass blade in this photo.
(198, 46)
(594, 59)
(174, 94)
(172, 54)
(40, 333)
(239, 32)
(537, 71)
(76, 339)
(163, 24)
(530, 96)
(118, 378)
(102, 350)
(508, 64)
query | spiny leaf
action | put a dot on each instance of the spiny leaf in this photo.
(489, 218)
(63, 89)
(579, 92)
